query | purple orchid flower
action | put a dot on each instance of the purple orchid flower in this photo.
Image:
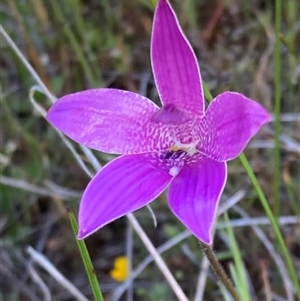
(179, 145)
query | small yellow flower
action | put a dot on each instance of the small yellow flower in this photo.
(120, 270)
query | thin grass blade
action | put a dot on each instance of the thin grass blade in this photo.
(86, 261)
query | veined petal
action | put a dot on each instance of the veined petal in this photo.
(122, 186)
(231, 120)
(194, 196)
(108, 120)
(174, 63)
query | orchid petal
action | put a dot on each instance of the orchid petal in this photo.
(174, 63)
(194, 196)
(108, 120)
(231, 120)
(122, 186)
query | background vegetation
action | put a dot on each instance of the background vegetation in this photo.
(75, 45)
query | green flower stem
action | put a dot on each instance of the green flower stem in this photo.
(273, 221)
(216, 266)
(277, 111)
(207, 93)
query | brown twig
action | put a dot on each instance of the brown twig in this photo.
(216, 266)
